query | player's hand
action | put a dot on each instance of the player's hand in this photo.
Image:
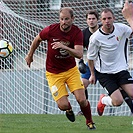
(127, 10)
(92, 79)
(82, 66)
(29, 59)
(56, 45)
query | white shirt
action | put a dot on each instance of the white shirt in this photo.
(110, 51)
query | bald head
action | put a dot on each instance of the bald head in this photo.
(67, 9)
(66, 18)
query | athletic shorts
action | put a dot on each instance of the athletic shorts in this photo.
(111, 82)
(60, 83)
(87, 74)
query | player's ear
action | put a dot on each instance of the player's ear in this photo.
(113, 17)
(100, 19)
(73, 19)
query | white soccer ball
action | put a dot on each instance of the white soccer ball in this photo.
(6, 48)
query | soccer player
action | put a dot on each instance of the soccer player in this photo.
(92, 18)
(107, 51)
(65, 43)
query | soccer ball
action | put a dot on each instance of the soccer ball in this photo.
(6, 48)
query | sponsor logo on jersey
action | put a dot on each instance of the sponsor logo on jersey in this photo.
(55, 40)
(130, 79)
(111, 37)
(118, 38)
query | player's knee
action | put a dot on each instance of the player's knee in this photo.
(63, 103)
(131, 96)
(86, 85)
(63, 107)
(117, 102)
(82, 102)
(85, 82)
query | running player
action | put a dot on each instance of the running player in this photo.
(92, 18)
(108, 52)
(65, 43)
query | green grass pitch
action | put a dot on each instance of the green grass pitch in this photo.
(45, 123)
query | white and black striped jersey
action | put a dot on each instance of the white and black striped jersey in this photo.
(110, 51)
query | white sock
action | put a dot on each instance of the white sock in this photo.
(107, 101)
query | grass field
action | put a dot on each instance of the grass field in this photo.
(44, 123)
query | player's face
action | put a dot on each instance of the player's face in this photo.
(65, 21)
(107, 20)
(92, 20)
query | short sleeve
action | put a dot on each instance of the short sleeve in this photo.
(44, 34)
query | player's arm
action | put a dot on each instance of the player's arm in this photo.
(127, 12)
(81, 65)
(77, 51)
(92, 55)
(92, 71)
(33, 47)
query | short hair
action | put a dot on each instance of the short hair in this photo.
(107, 10)
(92, 12)
(68, 9)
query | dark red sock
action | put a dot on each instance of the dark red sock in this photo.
(87, 113)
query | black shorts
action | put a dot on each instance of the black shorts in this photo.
(113, 81)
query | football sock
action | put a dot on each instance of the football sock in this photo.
(87, 113)
(107, 101)
(127, 99)
(86, 94)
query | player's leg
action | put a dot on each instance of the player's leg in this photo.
(85, 79)
(109, 82)
(59, 92)
(127, 99)
(85, 107)
(114, 97)
(86, 83)
(127, 88)
(75, 85)
(64, 105)
(107, 100)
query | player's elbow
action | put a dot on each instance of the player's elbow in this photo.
(79, 57)
(78, 51)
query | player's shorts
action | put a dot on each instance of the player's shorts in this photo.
(61, 82)
(87, 74)
(111, 82)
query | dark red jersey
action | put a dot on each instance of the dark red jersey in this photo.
(59, 60)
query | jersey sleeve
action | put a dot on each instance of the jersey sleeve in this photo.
(93, 48)
(127, 30)
(44, 34)
(79, 38)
